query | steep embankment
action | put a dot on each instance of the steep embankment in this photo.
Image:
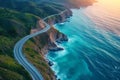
(13, 26)
(36, 48)
(16, 21)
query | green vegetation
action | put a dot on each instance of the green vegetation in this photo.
(15, 22)
(17, 18)
(40, 9)
(11, 70)
(38, 60)
(13, 26)
(33, 50)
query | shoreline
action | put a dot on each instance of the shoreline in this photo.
(48, 61)
(46, 50)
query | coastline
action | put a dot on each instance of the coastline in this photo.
(45, 49)
(50, 63)
(23, 20)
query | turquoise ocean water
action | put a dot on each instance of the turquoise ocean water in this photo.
(93, 49)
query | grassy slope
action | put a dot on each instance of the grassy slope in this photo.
(16, 20)
(11, 27)
(32, 51)
(33, 54)
(11, 70)
(38, 60)
(42, 10)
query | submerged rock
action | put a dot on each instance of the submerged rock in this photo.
(50, 63)
(56, 49)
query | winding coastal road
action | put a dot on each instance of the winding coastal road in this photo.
(20, 57)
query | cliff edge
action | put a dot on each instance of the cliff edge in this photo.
(36, 48)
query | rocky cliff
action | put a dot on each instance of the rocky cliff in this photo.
(21, 16)
(47, 41)
(36, 48)
(59, 18)
(39, 46)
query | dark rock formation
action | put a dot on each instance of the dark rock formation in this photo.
(56, 49)
(61, 38)
(62, 17)
(50, 63)
(47, 41)
(53, 47)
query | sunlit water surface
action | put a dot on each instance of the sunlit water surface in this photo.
(93, 49)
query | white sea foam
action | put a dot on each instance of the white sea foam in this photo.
(91, 38)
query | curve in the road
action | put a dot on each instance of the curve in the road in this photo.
(20, 57)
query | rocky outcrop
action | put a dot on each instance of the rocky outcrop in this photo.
(61, 17)
(51, 20)
(61, 38)
(47, 41)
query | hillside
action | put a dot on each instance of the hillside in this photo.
(39, 9)
(13, 26)
(17, 18)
